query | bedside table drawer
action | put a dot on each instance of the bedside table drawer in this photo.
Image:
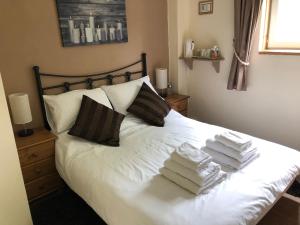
(43, 186)
(36, 153)
(39, 169)
(179, 106)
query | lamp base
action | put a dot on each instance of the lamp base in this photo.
(25, 133)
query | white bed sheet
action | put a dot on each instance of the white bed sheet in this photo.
(124, 187)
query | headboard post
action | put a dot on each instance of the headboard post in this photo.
(36, 70)
(144, 64)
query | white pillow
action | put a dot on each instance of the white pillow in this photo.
(62, 109)
(122, 95)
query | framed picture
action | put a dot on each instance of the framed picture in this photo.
(206, 7)
(92, 22)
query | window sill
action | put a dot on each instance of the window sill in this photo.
(279, 52)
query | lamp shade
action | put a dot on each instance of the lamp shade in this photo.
(20, 108)
(161, 78)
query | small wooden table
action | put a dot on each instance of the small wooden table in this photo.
(179, 103)
(36, 154)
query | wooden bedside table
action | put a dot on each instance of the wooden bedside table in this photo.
(36, 154)
(179, 103)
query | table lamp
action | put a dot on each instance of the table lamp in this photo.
(162, 81)
(21, 113)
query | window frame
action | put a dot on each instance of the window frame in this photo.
(265, 32)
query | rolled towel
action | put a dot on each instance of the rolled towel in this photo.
(240, 156)
(233, 140)
(191, 157)
(189, 185)
(228, 161)
(200, 176)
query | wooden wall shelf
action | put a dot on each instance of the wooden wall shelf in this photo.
(215, 62)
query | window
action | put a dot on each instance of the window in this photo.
(280, 30)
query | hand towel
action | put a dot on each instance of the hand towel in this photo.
(191, 157)
(233, 140)
(240, 156)
(189, 185)
(228, 161)
(201, 176)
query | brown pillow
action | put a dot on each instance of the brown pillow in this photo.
(97, 123)
(149, 107)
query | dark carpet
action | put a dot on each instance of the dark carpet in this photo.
(63, 208)
(66, 208)
(295, 189)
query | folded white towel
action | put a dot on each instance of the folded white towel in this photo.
(189, 185)
(228, 161)
(240, 156)
(190, 156)
(201, 176)
(233, 140)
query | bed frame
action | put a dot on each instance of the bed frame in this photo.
(88, 80)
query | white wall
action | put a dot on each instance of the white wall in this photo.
(14, 208)
(270, 109)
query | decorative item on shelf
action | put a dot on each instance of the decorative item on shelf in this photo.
(94, 24)
(206, 7)
(215, 52)
(189, 47)
(212, 55)
(205, 53)
(162, 81)
(21, 112)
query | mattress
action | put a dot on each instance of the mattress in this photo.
(124, 187)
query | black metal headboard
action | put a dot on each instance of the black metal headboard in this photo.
(88, 80)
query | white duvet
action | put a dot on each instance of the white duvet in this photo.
(124, 187)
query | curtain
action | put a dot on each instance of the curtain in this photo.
(245, 21)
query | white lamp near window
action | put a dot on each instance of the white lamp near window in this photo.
(21, 112)
(162, 81)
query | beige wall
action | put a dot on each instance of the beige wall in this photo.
(269, 109)
(30, 35)
(13, 202)
(178, 25)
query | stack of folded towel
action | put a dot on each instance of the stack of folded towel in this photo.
(192, 169)
(231, 149)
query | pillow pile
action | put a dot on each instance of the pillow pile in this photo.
(122, 95)
(97, 123)
(63, 109)
(149, 107)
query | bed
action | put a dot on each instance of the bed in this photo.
(123, 184)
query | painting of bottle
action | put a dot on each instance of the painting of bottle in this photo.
(82, 33)
(112, 33)
(92, 22)
(71, 27)
(98, 33)
(119, 31)
(89, 34)
(76, 35)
